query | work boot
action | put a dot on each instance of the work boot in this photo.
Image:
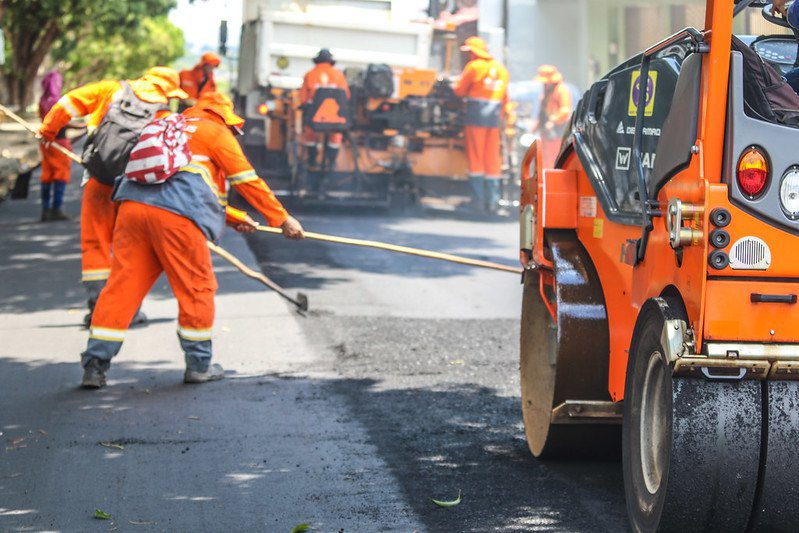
(140, 320)
(215, 372)
(46, 214)
(94, 374)
(57, 214)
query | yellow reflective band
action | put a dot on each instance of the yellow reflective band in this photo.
(243, 177)
(69, 107)
(206, 176)
(195, 334)
(107, 334)
(95, 275)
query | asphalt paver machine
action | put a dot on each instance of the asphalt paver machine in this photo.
(661, 261)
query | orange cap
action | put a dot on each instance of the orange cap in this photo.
(477, 46)
(167, 80)
(220, 105)
(548, 74)
(210, 58)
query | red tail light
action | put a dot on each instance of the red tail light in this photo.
(263, 109)
(753, 172)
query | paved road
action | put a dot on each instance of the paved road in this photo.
(400, 385)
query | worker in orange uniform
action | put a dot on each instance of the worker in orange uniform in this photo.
(324, 74)
(56, 167)
(555, 108)
(98, 211)
(484, 85)
(164, 228)
(200, 79)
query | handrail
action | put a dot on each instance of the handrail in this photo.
(699, 46)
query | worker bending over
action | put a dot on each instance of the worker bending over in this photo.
(324, 74)
(98, 212)
(555, 108)
(484, 85)
(164, 228)
(200, 79)
(56, 167)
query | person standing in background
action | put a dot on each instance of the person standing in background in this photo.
(484, 86)
(200, 79)
(553, 113)
(56, 167)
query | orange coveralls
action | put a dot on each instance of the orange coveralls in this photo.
(98, 212)
(322, 75)
(168, 234)
(556, 107)
(191, 80)
(484, 85)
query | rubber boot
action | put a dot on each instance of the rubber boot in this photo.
(57, 214)
(331, 154)
(46, 214)
(47, 189)
(94, 373)
(477, 182)
(312, 156)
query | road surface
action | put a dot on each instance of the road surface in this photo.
(399, 386)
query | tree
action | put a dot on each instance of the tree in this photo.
(32, 27)
(106, 54)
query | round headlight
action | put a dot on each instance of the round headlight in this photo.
(789, 192)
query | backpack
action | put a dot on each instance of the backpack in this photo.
(162, 149)
(767, 96)
(108, 148)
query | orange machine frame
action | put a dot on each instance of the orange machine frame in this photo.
(714, 300)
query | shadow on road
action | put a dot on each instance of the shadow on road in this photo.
(267, 469)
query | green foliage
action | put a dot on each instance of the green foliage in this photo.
(118, 55)
(33, 27)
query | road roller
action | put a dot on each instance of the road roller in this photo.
(661, 275)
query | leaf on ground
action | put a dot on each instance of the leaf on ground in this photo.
(112, 445)
(102, 515)
(193, 417)
(299, 528)
(457, 362)
(452, 503)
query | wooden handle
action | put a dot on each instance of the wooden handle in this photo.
(28, 126)
(400, 249)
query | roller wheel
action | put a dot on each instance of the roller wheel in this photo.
(567, 361)
(690, 447)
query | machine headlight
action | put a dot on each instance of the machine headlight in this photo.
(789, 192)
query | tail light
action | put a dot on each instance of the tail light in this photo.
(263, 109)
(753, 172)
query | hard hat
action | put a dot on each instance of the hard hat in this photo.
(548, 74)
(167, 80)
(477, 46)
(324, 56)
(210, 58)
(220, 105)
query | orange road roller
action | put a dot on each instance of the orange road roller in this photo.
(661, 258)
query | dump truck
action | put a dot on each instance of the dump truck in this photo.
(661, 279)
(402, 125)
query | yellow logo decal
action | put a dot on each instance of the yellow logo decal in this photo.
(635, 93)
(599, 228)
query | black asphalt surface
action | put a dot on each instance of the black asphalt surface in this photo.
(399, 386)
(426, 358)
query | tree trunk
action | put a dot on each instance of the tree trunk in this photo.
(28, 51)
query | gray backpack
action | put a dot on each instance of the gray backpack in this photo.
(107, 151)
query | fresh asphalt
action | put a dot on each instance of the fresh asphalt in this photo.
(400, 385)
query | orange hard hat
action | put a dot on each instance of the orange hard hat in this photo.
(548, 74)
(210, 58)
(220, 105)
(477, 46)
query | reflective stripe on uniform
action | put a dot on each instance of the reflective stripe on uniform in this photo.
(243, 177)
(66, 102)
(100, 274)
(195, 334)
(206, 176)
(107, 334)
